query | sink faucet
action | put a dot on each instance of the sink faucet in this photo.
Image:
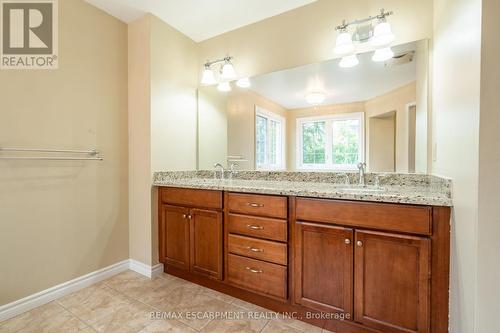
(362, 170)
(220, 168)
(232, 170)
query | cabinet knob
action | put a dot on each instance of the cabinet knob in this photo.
(184, 216)
(359, 243)
(347, 241)
(190, 217)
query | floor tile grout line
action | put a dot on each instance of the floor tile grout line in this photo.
(151, 306)
(20, 329)
(74, 315)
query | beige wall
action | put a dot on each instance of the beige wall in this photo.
(396, 100)
(139, 128)
(241, 123)
(488, 232)
(162, 96)
(455, 94)
(61, 220)
(174, 80)
(324, 110)
(307, 35)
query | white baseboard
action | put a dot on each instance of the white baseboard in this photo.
(45, 296)
(146, 270)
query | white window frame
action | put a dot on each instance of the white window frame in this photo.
(259, 111)
(328, 166)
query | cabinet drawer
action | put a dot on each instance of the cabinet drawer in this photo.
(256, 275)
(191, 197)
(394, 217)
(260, 205)
(258, 227)
(258, 249)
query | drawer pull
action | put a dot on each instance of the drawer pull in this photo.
(255, 227)
(253, 270)
(254, 249)
(255, 204)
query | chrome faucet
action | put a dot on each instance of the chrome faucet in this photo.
(221, 169)
(362, 171)
(232, 170)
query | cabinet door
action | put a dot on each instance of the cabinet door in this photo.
(391, 282)
(323, 267)
(175, 236)
(206, 242)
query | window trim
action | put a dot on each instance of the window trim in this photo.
(260, 111)
(328, 166)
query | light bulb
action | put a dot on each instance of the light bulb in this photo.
(344, 44)
(383, 54)
(315, 97)
(228, 72)
(208, 77)
(224, 87)
(382, 35)
(349, 61)
(243, 83)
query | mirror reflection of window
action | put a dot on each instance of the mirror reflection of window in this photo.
(269, 140)
(334, 142)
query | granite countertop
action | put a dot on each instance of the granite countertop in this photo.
(394, 187)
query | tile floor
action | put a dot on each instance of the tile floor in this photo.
(130, 302)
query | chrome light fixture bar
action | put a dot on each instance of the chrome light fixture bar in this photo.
(379, 35)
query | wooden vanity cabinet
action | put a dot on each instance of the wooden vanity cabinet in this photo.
(379, 267)
(174, 240)
(191, 238)
(392, 282)
(323, 267)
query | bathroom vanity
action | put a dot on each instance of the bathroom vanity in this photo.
(342, 257)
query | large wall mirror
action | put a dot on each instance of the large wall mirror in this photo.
(322, 117)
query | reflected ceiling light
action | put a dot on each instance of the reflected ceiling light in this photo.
(315, 97)
(383, 54)
(382, 34)
(224, 86)
(379, 35)
(349, 61)
(344, 44)
(243, 83)
(208, 77)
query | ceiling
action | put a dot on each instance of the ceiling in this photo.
(200, 19)
(341, 85)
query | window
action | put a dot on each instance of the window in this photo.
(334, 142)
(269, 140)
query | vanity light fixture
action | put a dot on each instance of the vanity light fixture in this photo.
(208, 77)
(315, 97)
(379, 35)
(226, 73)
(382, 34)
(344, 45)
(224, 86)
(243, 83)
